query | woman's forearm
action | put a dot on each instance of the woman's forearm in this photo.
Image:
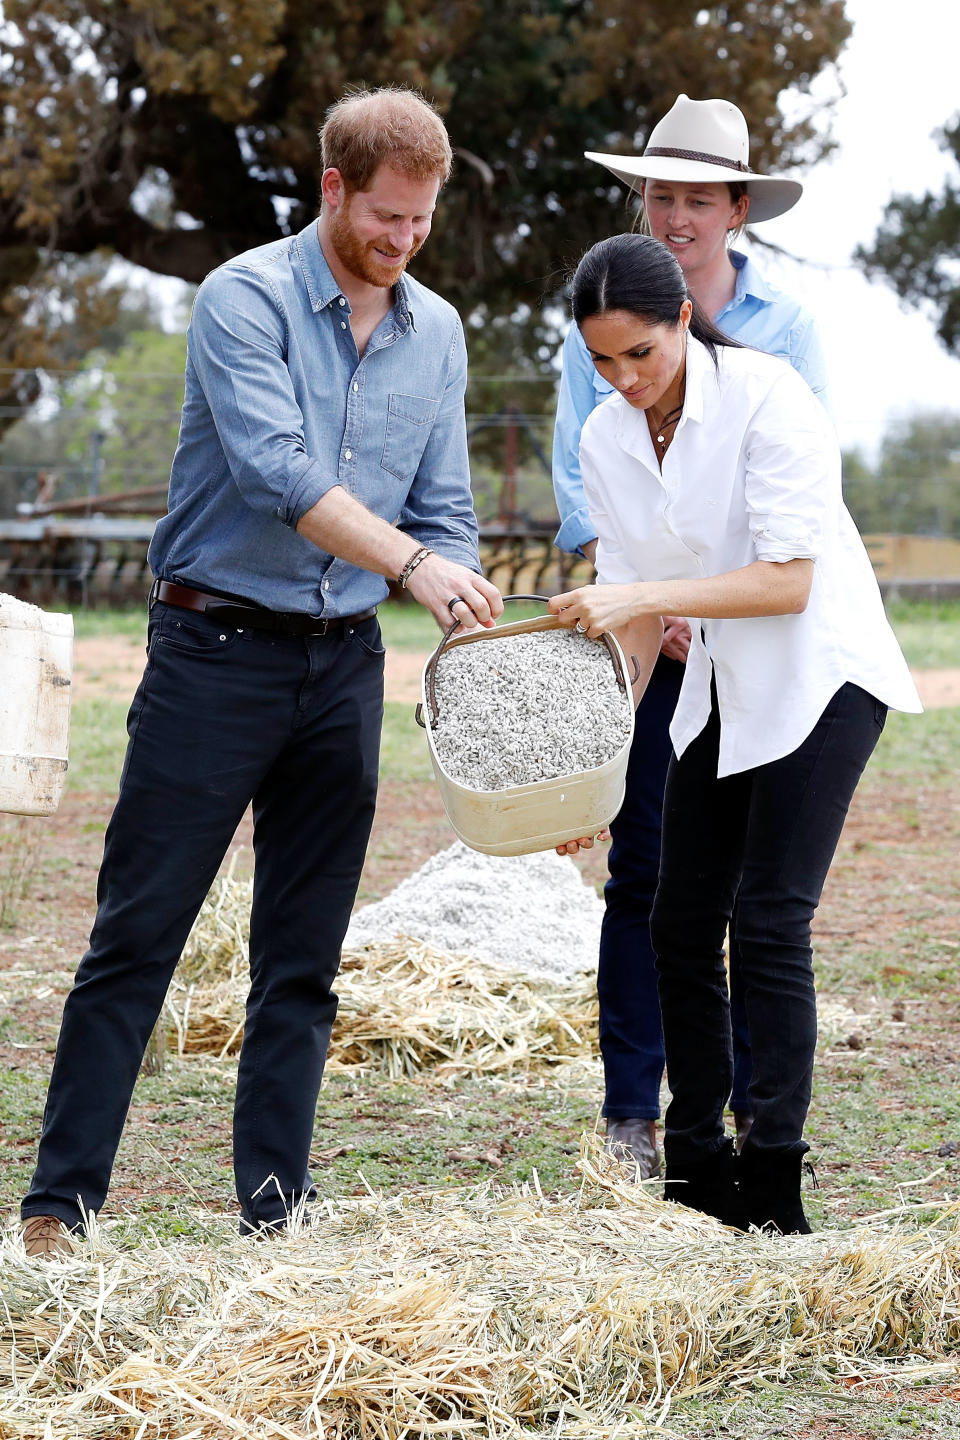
(762, 588)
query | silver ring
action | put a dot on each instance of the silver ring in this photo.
(455, 600)
(579, 629)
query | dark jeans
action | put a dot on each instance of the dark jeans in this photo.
(772, 832)
(222, 717)
(631, 1038)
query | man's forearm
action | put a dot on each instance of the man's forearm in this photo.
(341, 526)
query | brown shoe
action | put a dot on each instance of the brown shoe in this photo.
(46, 1236)
(634, 1142)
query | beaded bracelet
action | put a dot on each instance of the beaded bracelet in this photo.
(412, 564)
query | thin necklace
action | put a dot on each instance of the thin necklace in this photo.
(672, 416)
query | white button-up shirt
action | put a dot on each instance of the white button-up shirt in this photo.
(752, 473)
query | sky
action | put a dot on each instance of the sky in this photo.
(899, 70)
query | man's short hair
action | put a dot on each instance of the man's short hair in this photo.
(389, 126)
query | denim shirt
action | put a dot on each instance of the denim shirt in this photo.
(279, 407)
(759, 315)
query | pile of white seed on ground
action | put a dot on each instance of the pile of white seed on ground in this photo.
(524, 912)
(527, 708)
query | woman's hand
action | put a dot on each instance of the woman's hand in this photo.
(585, 842)
(595, 609)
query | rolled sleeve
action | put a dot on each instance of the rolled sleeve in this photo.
(792, 473)
(439, 507)
(237, 345)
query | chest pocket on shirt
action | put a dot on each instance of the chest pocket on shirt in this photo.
(409, 418)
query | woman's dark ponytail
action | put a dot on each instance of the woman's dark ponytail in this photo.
(638, 275)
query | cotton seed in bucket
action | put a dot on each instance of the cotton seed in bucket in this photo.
(527, 708)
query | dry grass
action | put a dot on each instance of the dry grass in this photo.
(464, 1313)
(404, 1007)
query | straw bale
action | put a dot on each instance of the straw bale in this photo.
(473, 1312)
(404, 1007)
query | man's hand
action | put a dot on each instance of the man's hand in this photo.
(436, 582)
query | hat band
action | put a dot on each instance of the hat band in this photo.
(700, 155)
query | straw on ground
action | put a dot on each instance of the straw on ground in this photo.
(463, 1313)
(404, 1006)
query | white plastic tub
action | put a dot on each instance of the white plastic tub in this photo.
(525, 818)
(36, 662)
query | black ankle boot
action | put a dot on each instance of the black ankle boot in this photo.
(708, 1185)
(769, 1185)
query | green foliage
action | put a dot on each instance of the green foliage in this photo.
(185, 134)
(134, 406)
(917, 247)
(50, 441)
(915, 487)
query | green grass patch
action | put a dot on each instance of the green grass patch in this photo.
(407, 626)
(927, 745)
(98, 742)
(928, 631)
(95, 624)
(404, 754)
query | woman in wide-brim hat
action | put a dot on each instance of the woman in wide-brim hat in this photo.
(676, 151)
(698, 192)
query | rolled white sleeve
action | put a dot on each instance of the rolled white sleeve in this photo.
(792, 481)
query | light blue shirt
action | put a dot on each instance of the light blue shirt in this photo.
(759, 315)
(279, 407)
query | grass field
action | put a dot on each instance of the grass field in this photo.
(885, 1120)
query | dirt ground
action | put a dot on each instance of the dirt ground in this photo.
(872, 882)
(894, 872)
(111, 665)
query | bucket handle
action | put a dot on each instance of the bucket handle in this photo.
(430, 672)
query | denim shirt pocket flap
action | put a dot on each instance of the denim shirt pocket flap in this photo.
(409, 418)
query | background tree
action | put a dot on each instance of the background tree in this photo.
(108, 370)
(914, 488)
(917, 249)
(181, 134)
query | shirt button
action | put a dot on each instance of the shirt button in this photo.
(326, 584)
(343, 324)
(342, 301)
(356, 387)
(348, 454)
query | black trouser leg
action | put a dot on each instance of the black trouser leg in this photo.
(214, 715)
(773, 831)
(312, 817)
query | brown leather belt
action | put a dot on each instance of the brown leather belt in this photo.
(253, 617)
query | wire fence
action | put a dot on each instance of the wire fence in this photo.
(84, 470)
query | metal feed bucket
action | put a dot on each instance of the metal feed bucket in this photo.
(522, 819)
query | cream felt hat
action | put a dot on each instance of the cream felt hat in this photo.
(703, 140)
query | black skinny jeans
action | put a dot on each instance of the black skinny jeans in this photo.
(631, 1038)
(222, 717)
(773, 832)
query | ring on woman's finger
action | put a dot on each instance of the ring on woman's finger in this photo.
(580, 629)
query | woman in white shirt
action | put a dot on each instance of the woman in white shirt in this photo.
(712, 476)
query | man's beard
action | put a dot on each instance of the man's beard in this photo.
(356, 255)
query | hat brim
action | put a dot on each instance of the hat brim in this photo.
(769, 195)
